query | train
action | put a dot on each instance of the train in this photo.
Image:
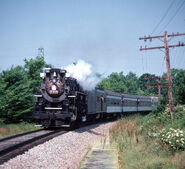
(62, 102)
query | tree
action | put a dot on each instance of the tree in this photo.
(178, 85)
(17, 88)
(33, 67)
(148, 78)
(132, 83)
(115, 82)
(15, 96)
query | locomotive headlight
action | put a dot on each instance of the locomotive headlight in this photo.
(54, 80)
(42, 75)
(54, 87)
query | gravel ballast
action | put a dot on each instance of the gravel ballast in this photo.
(63, 152)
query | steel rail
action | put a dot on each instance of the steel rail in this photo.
(16, 145)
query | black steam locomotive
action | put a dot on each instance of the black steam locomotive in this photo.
(62, 102)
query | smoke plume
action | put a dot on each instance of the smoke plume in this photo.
(82, 71)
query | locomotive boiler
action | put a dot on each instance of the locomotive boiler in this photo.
(61, 101)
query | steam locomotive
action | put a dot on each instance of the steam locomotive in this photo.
(61, 101)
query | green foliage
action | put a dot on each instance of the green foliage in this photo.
(174, 138)
(33, 67)
(171, 135)
(17, 88)
(138, 150)
(114, 82)
(179, 85)
(130, 83)
(160, 141)
(145, 81)
(20, 83)
(160, 117)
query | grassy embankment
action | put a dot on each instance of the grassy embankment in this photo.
(12, 129)
(151, 141)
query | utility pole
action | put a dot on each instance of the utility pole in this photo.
(158, 85)
(164, 38)
(170, 94)
(41, 52)
(159, 88)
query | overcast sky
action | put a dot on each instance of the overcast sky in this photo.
(104, 33)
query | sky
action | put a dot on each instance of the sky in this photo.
(104, 33)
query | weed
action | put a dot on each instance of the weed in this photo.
(12, 129)
(145, 141)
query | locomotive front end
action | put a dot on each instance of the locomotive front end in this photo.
(52, 105)
(53, 86)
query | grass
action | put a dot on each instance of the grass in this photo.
(12, 129)
(136, 150)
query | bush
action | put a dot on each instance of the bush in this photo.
(170, 134)
(149, 149)
(17, 88)
(175, 139)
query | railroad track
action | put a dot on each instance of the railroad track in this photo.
(18, 144)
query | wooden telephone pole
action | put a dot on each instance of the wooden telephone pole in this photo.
(164, 38)
(158, 84)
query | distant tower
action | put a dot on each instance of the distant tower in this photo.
(41, 52)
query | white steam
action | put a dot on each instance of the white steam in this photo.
(82, 71)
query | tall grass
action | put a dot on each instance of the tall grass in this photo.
(12, 129)
(136, 150)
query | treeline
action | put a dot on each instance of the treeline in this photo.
(131, 84)
(17, 88)
(19, 84)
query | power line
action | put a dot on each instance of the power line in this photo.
(175, 61)
(177, 58)
(157, 84)
(180, 6)
(163, 16)
(181, 58)
(146, 67)
(162, 65)
(175, 51)
(166, 47)
(183, 62)
(142, 63)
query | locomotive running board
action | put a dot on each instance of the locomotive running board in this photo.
(53, 108)
(71, 96)
(65, 125)
(38, 95)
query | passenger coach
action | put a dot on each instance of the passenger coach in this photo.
(104, 103)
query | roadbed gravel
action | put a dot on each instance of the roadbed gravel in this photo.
(62, 152)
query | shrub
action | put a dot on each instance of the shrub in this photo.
(174, 138)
